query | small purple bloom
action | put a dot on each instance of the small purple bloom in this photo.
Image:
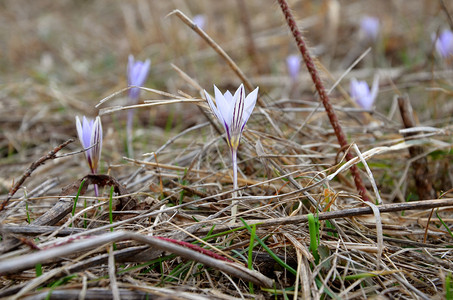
(200, 21)
(233, 112)
(444, 44)
(137, 71)
(370, 27)
(90, 133)
(360, 92)
(293, 65)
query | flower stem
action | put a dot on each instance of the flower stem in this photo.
(234, 209)
(129, 125)
(322, 94)
(96, 190)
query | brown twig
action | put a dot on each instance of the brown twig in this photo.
(340, 214)
(423, 182)
(322, 94)
(219, 50)
(33, 166)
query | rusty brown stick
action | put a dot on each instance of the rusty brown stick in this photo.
(322, 94)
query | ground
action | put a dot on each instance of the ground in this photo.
(161, 225)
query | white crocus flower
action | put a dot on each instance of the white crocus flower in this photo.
(233, 111)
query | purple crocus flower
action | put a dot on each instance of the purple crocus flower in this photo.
(370, 27)
(444, 44)
(200, 21)
(233, 112)
(137, 71)
(293, 65)
(90, 135)
(360, 92)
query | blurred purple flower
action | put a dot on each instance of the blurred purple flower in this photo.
(200, 21)
(137, 71)
(293, 65)
(444, 43)
(361, 94)
(370, 27)
(90, 135)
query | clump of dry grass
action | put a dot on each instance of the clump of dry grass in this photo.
(162, 225)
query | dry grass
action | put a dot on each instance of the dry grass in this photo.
(61, 58)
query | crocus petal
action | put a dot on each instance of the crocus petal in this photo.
(130, 69)
(250, 102)
(293, 65)
(444, 44)
(225, 107)
(86, 126)
(370, 27)
(79, 129)
(353, 86)
(96, 139)
(239, 103)
(360, 92)
(137, 72)
(213, 107)
(228, 97)
(200, 21)
(238, 113)
(90, 133)
(142, 72)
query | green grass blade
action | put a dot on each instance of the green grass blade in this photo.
(313, 227)
(77, 197)
(443, 223)
(272, 254)
(250, 255)
(38, 270)
(448, 287)
(28, 212)
(223, 233)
